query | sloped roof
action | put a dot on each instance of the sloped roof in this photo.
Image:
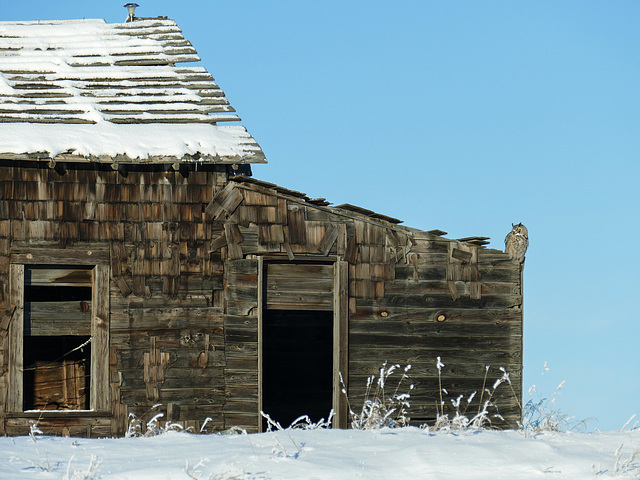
(88, 90)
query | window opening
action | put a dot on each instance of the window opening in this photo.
(56, 372)
(57, 338)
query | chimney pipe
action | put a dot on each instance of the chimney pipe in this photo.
(132, 11)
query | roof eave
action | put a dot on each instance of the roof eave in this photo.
(257, 157)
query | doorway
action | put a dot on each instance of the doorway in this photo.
(302, 346)
(297, 360)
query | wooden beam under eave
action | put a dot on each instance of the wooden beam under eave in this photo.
(249, 158)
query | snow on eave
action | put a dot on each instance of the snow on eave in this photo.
(142, 143)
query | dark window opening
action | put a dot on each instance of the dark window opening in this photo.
(297, 363)
(57, 372)
(34, 293)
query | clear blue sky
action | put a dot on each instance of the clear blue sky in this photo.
(463, 116)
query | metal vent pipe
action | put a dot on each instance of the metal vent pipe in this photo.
(132, 11)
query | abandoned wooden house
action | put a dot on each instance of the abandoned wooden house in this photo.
(141, 264)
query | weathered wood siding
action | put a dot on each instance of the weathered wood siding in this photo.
(413, 296)
(419, 319)
(166, 305)
(192, 261)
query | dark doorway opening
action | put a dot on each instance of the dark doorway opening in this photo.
(297, 365)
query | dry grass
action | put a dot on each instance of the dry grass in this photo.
(379, 408)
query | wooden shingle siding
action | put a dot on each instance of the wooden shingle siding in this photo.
(163, 279)
(193, 261)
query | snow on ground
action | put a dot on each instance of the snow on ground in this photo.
(405, 453)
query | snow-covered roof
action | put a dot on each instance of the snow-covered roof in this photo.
(89, 90)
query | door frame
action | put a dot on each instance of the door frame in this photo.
(340, 335)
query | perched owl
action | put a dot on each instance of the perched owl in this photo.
(517, 242)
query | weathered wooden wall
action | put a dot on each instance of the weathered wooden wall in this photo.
(419, 320)
(167, 311)
(413, 296)
(186, 261)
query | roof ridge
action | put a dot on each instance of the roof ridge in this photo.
(53, 22)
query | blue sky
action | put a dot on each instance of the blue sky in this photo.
(463, 116)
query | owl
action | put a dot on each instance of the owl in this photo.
(517, 242)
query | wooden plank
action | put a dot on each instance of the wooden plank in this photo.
(340, 342)
(396, 354)
(287, 248)
(60, 277)
(15, 354)
(270, 234)
(232, 234)
(462, 255)
(454, 326)
(100, 392)
(315, 284)
(69, 256)
(300, 301)
(329, 238)
(299, 286)
(315, 233)
(217, 243)
(224, 202)
(301, 271)
(260, 329)
(351, 251)
(232, 200)
(122, 285)
(464, 316)
(254, 198)
(282, 211)
(57, 318)
(266, 215)
(296, 224)
(342, 239)
(437, 300)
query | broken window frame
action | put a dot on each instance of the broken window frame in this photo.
(97, 261)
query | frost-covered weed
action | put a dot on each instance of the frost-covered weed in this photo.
(540, 414)
(43, 464)
(152, 427)
(301, 423)
(461, 420)
(628, 467)
(34, 431)
(192, 472)
(88, 474)
(628, 422)
(380, 409)
(279, 450)
(304, 422)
